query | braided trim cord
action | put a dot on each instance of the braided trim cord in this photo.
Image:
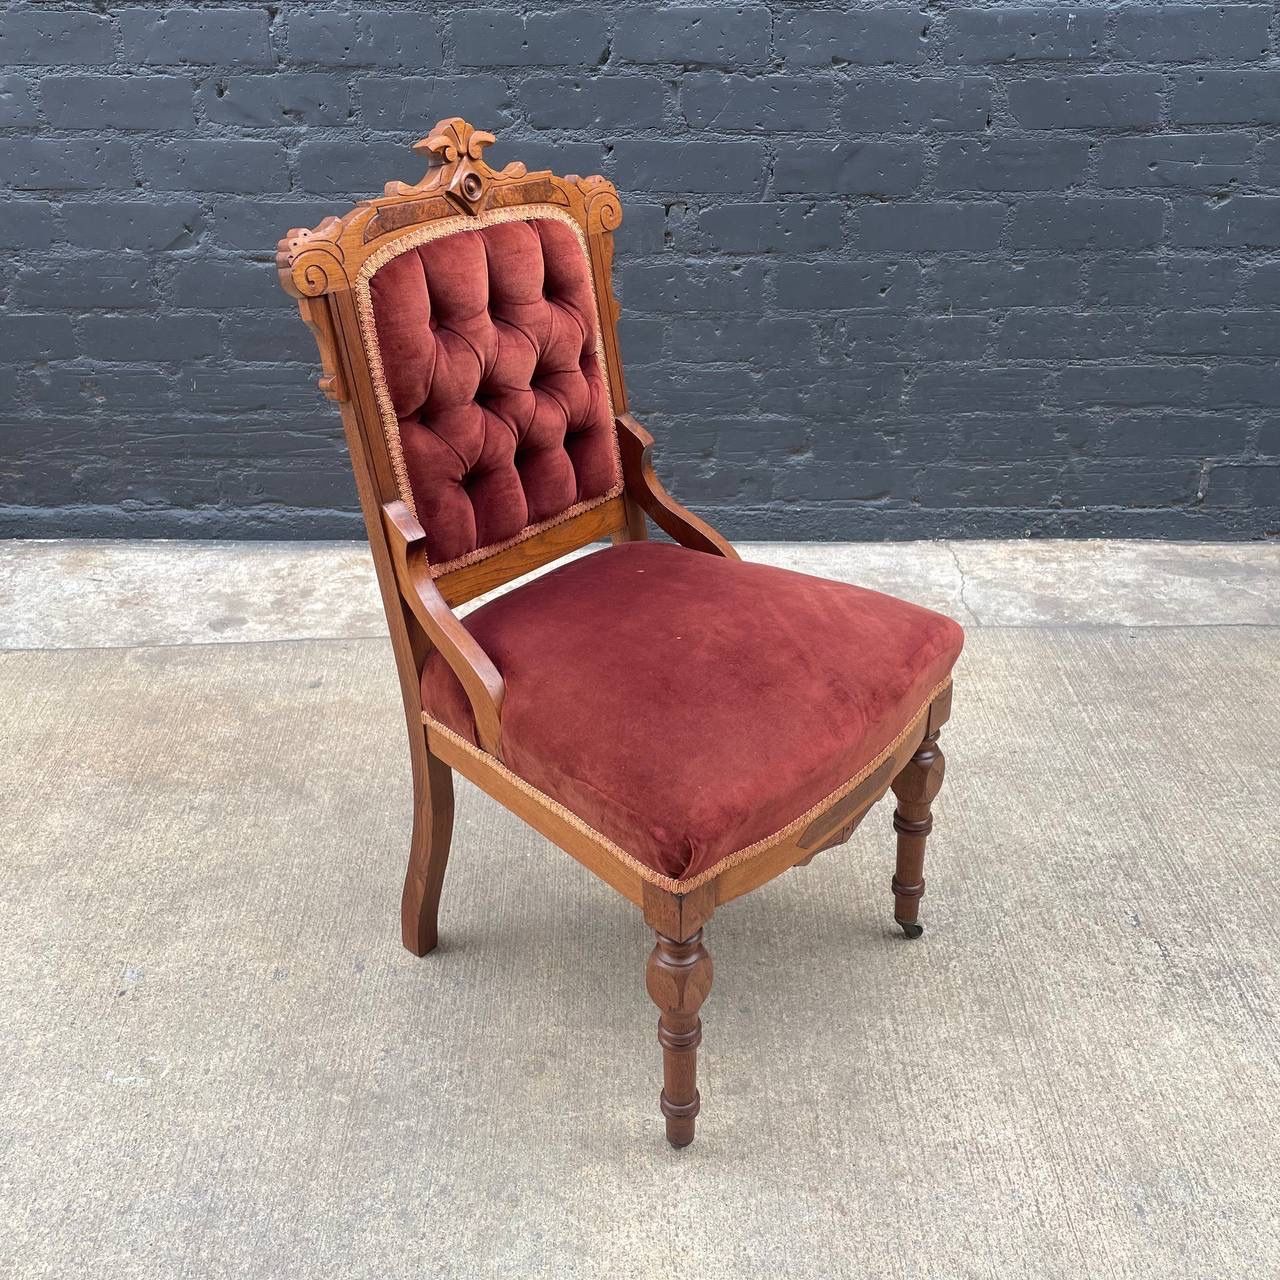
(734, 859)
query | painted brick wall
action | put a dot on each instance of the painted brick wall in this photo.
(888, 270)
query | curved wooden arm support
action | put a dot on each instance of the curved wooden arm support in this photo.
(646, 491)
(475, 671)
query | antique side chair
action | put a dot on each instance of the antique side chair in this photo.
(685, 725)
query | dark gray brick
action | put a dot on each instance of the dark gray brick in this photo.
(902, 338)
(694, 35)
(1012, 164)
(345, 167)
(688, 286)
(1269, 163)
(691, 166)
(257, 224)
(1170, 435)
(34, 337)
(643, 230)
(1247, 485)
(499, 37)
(690, 389)
(1051, 222)
(991, 285)
(560, 157)
(18, 107)
(1022, 35)
(961, 390)
(226, 284)
(1065, 335)
(1204, 160)
(847, 286)
(987, 438)
(1142, 280)
(1262, 287)
(100, 390)
(414, 103)
(754, 340)
(1115, 100)
(928, 227)
(756, 103)
(1244, 221)
(902, 105)
(1215, 333)
(794, 390)
(1133, 385)
(215, 164)
(850, 168)
(1247, 384)
(85, 280)
(1063, 484)
(149, 226)
(119, 102)
(1226, 97)
(199, 37)
(642, 339)
(247, 388)
(866, 37)
(772, 228)
(295, 98)
(1191, 33)
(150, 338)
(594, 102)
(27, 224)
(247, 336)
(397, 39)
(42, 36)
(66, 164)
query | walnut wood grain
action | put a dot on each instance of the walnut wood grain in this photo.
(916, 787)
(459, 648)
(647, 492)
(543, 815)
(428, 857)
(496, 570)
(678, 979)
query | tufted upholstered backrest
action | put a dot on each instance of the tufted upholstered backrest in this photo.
(484, 348)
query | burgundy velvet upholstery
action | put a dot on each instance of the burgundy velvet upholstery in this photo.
(686, 705)
(488, 345)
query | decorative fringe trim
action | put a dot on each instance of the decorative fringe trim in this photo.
(734, 859)
(377, 374)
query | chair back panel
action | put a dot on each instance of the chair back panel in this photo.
(484, 341)
(467, 327)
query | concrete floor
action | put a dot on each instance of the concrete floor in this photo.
(215, 1059)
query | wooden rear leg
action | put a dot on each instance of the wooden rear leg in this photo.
(678, 978)
(915, 787)
(428, 853)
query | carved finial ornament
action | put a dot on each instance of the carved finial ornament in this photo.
(456, 167)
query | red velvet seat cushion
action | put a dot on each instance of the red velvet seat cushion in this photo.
(687, 706)
(487, 342)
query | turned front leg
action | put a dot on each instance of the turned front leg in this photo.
(678, 978)
(915, 787)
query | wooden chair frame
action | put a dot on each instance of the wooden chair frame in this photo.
(321, 268)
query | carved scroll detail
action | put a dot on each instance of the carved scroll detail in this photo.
(456, 167)
(600, 196)
(310, 261)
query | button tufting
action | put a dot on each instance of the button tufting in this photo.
(498, 366)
